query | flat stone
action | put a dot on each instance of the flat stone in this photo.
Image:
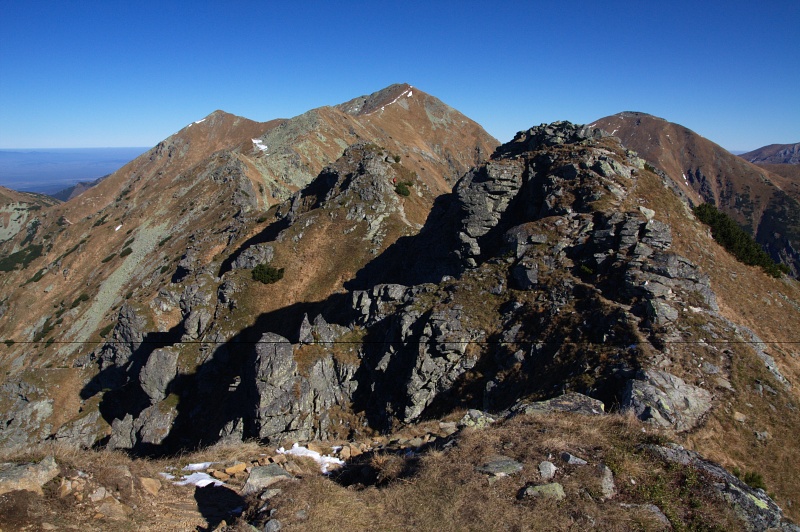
(569, 402)
(236, 468)
(447, 428)
(264, 476)
(500, 466)
(273, 525)
(269, 493)
(572, 459)
(553, 490)
(547, 470)
(738, 416)
(99, 494)
(150, 485)
(113, 509)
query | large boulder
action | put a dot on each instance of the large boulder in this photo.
(666, 400)
(28, 476)
(159, 370)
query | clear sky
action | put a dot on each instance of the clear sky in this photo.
(130, 73)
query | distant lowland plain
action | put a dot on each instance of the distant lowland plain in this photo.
(50, 170)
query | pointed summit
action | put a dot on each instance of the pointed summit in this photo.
(364, 105)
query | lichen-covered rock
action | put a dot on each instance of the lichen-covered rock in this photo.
(753, 506)
(666, 400)
(253, 256)
(156, 374)
(82, 432)
(442, 358)
(569, 402)
(29, 476)
(25, 421)
(288, 403)
(483, 196)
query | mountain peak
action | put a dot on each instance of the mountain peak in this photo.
(364, 105)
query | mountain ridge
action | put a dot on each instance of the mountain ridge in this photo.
(766, 205)
(558, 265)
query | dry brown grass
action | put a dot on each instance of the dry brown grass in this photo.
(441, 490)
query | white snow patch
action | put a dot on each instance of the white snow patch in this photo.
(260, 144)
(167, 476)
(410, 94)
(615, 131)
(201, 480)
(198, 467)
(117, 228)
(324, 461)
(200, 121)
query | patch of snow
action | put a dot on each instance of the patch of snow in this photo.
(615, 131)
(410, 93)
(200, 121)
(117, 228)
(167, 476)
(324, 461)
(198, 467)
(260, 144)
(201, 480)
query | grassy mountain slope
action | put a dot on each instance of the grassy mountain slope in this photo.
(706, 172)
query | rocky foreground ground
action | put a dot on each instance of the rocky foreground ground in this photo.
(561, 464)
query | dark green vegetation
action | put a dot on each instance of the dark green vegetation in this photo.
(21, 258)
(736, 241)
(267, 274)
(402, 188)
(81, 298)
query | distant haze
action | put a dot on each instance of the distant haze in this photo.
(49, 170)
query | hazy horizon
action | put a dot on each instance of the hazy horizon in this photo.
(50, 170)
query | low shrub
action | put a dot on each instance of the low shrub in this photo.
(267, 274)
(402, 189)
(81, 298)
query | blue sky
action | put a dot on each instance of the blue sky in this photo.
(114, 73)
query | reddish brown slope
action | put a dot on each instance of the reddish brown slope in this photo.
(774, 154)
(706, 172)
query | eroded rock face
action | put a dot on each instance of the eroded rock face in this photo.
(126, 338)
(290, 404)
(26, 421)
(666, 400)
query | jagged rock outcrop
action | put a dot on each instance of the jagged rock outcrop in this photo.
(289, 404)
(253, 256)
(126, 338)
(25, 420)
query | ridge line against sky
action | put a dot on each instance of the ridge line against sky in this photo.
(96, 74)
